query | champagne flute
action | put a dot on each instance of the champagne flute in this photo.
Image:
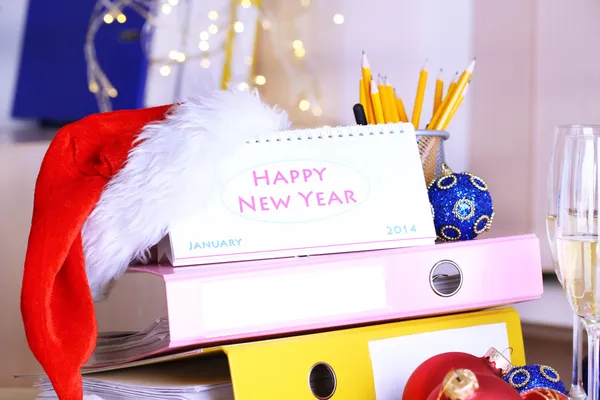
(577, 237)
(576, 391)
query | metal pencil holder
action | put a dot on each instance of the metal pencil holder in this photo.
(431, 149)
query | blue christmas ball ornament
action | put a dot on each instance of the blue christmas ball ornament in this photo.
(461, 205)
(534, 376)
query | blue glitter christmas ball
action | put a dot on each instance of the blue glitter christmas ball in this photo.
(533, 377)
(461, 205)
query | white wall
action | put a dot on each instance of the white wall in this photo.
(500, 145)
(567, 86)
(541, 72)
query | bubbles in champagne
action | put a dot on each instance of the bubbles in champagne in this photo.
(578, 264)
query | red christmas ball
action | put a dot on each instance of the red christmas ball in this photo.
(462, 384)
(543, 394)
(432, 371)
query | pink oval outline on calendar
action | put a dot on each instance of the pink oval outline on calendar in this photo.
(295, 191)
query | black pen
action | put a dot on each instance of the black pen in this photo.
(359, 114)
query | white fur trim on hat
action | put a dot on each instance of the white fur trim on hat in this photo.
(168, 174)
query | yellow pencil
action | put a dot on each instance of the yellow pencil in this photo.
(454, 96)
(387, 103)
(383, 98)
(363, 97)
(377, 108)
(458, 103)
(418, 106)
(439, 92)
(453, 82)
(438, 112)
(392, 99)
(401, 109)
(366, 76)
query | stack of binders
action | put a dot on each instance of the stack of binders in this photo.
(347, 322)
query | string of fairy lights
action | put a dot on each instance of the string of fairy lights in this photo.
(290, 52)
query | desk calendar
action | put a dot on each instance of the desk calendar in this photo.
(310, 192)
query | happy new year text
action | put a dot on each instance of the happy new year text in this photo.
(296, 198)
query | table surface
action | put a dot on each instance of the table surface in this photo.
(552, 309)
(17, 394)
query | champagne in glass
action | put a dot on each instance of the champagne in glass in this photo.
(581, 275)
(577, 238)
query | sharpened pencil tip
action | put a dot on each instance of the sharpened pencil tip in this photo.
(365, 60)
(471, 66)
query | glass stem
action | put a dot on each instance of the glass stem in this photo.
(578, 337)
(577, 391)
(593, 389)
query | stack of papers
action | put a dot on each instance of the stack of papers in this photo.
(119, 347)
(196, 378)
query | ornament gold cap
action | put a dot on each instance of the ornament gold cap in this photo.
(446, 170)
(500, 362)
(460, 384)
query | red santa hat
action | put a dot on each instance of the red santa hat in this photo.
(109, 188)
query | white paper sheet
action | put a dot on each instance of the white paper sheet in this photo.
(198, 378)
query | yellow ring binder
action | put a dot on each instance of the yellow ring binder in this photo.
(345, 364)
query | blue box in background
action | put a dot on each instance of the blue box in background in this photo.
(52, 84)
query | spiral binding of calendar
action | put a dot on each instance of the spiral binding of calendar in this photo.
(328, 132)
(430, 143)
